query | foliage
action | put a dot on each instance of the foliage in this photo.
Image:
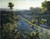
(46, 9)
(36, 36)
(7, 21)
(11, 5)
(46, 6)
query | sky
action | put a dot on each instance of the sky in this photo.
(21, 4)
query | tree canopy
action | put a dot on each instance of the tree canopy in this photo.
(11, 5)
(46, 5)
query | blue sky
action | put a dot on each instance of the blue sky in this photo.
(21, 4)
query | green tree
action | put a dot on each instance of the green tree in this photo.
(46, 9)
(46, 5)
(11, 5)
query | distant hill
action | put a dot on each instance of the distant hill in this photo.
(4, 9)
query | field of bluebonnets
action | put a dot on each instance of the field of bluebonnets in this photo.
(26, 24)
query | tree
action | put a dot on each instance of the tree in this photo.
(46, 5)
(31, 8)
(11, 5)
